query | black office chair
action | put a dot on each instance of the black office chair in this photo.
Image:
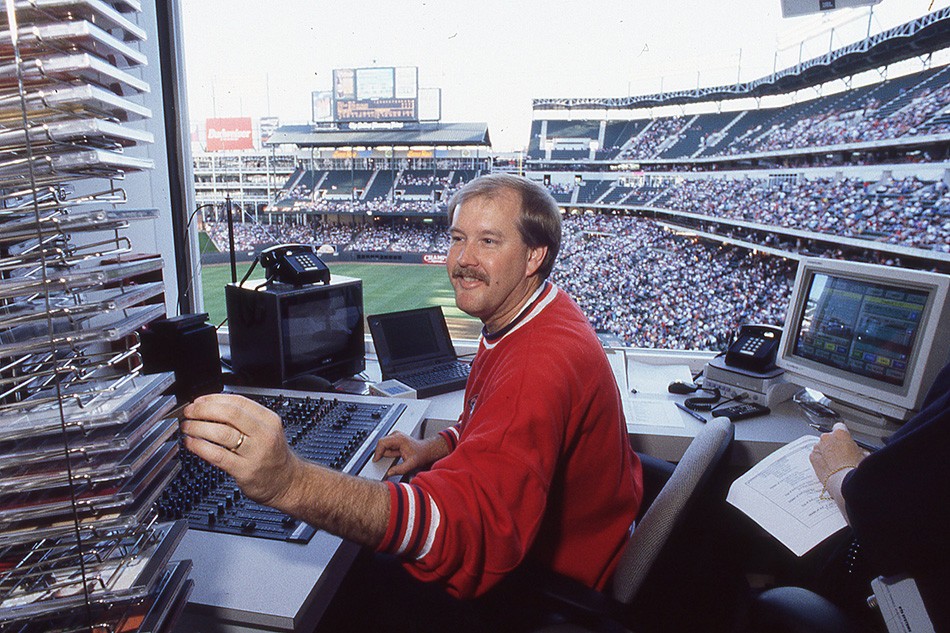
(574, 607)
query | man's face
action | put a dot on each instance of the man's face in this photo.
(489, 265)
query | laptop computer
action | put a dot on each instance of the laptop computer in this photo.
(414, 347)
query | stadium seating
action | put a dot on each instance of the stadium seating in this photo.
(634, 277)
(910, 105)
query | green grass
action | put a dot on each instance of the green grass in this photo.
(205, 245)
(386, 288)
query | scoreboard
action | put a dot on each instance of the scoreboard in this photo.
(376, 94)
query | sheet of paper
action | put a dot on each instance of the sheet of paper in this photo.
(654, 379)
(783, 495)
(652, 412)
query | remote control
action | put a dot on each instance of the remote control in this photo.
(742, 411)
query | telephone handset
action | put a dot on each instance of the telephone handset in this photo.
(295, 264)
(755, 348)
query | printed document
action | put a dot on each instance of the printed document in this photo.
(783, 495)
(646, 399)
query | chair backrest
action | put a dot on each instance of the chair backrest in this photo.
(692, 471)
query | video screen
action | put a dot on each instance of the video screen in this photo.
(320, 329)
(868, 329)
(379, 94)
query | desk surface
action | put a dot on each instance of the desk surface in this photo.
(755, 437)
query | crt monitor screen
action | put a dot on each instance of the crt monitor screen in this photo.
(320, 328)
(868, 336)
(861, 326)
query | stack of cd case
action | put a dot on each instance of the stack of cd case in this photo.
(87, 442)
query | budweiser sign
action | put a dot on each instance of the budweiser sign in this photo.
(231, 133)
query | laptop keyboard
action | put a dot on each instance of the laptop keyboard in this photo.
(437, 375)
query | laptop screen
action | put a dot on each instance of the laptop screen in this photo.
(411, 336)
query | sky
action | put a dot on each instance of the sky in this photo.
(490, 58)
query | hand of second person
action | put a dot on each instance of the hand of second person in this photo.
(246, 440)
(835, 451)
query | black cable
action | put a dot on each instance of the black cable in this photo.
(250, 270)
(703, 403)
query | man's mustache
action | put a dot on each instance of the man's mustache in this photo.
(468, 273)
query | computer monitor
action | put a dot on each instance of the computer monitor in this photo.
(870, 338)
(280, 332)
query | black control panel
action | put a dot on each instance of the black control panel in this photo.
(339, 434)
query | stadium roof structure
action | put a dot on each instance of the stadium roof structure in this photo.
(429, 134)
(915, 38)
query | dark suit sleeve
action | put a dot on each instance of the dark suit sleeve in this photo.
(898, 499)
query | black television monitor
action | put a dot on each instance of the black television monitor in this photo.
(870, 338)
(280, 332)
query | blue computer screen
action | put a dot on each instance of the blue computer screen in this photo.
(866, 328)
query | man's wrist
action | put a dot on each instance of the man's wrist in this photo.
(437, 447)
(833, 483)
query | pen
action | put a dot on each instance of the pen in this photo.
(827, 429)
(690, 413)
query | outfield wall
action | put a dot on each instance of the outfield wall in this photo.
(334, 256)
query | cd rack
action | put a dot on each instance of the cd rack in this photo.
(87, 443)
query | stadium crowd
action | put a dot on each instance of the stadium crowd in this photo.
(630, 276)
(915, 107)
(908, 211)
(654, 138)
(378, 206)
(637, 280)
(858, 124)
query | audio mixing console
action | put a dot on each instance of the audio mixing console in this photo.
(339, 434)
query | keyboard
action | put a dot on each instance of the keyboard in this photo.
(437, 379)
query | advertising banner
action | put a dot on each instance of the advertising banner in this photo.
(229, 133)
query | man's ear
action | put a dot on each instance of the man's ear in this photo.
(535, 259)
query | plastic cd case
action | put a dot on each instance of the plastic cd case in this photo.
(69, 332)
(117, 571)
(107, 16)
(155, 613)
(83, 101)
(106, 403)
(96, 469)
(105, 509)
(85, 496)
(73, 35)
(40, 451)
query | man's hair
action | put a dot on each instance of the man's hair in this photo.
(540, 221)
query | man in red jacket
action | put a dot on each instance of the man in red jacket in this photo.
(538, 468)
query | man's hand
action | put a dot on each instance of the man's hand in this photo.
(246, 440)
(833, 457)
(414, 453)
(835, 451)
